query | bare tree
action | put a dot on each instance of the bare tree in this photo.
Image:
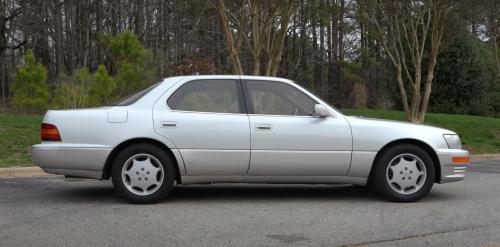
(262, 27)
(9, 10)
(233, 43)
(412, 30)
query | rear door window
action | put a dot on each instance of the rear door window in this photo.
(221, 96)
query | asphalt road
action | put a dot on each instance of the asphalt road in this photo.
(54, 212)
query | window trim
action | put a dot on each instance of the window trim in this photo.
(249, 102)
(239, 89)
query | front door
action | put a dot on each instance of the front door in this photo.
(287, 140)
(207, 122)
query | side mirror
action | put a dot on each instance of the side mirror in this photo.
(321, 111)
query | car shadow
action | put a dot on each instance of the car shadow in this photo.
(104, 193)
(269, 192)
(224, 192)
(94, 194)
(290, 193)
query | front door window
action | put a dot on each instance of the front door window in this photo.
(277, 98)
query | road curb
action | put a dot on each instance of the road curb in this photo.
(485, 157)
(16, 172)
(35, 171)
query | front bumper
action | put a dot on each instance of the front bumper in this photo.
(451, 170)
(72, 160)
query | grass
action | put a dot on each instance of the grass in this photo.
(17, 134)
(478, 134)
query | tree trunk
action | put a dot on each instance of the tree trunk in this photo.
(329, 63)
(402, 93)
(428, 85)
(321, 56)
(497, 56)
(3, 70)
(341, 51)
(139, 19)
(303, 38)
(99, 29)
(59, 40)
(70, 18)
(314, 51)
(3, 77)
(233, 50)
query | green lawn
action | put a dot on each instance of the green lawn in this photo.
(17, 134)
(479, 134)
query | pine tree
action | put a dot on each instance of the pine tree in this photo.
(132, 61)
(102, 87)
(30, 90)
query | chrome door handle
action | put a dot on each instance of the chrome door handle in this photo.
(264, 127)
(169, 124)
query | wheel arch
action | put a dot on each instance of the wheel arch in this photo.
(426, 147)
(106, 173)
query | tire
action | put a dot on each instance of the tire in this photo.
(404, 173)
(143, 173)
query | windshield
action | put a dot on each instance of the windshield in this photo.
(134, 97)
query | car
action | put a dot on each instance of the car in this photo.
(243, 129)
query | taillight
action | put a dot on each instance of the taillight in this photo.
(50, 133)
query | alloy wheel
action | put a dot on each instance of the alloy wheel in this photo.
(142, 174)
(406, 173)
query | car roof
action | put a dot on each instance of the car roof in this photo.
(242, 77)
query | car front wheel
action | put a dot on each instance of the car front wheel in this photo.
(143, 173)
(404, 173)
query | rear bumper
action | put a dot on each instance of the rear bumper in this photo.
(72, 160)
(452, 171)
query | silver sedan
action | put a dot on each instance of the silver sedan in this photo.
(243, 129)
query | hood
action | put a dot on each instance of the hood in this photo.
(373, 134)
(397, 124)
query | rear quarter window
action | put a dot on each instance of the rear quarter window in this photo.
(134, 97)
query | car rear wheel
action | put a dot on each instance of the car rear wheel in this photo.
(143, 173)
(404, 173)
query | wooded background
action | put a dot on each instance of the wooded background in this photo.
(340, 49)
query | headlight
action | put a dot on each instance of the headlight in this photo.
(453, 141)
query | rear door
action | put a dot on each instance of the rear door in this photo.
(287, 140)
(207, 121)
